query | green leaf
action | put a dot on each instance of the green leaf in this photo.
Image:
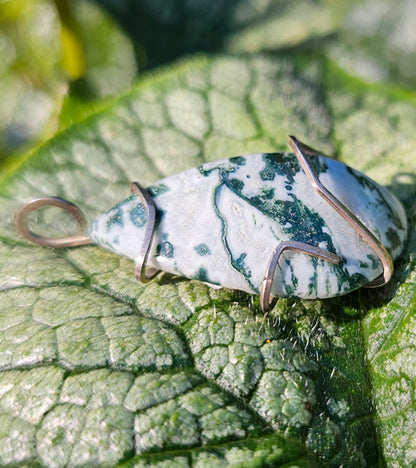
(98, 369)
(377, 40)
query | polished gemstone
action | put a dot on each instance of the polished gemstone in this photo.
(220, 222)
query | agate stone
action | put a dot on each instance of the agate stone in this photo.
(220, 222)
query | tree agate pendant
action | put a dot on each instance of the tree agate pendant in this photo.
(295, 225)
(220, 223)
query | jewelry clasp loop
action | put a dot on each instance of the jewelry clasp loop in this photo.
(37, 204)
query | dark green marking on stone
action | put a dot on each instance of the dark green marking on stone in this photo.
(266, 174)
(354, 281)
(393, 238)
(367, 183)
(313, 280)
(239, 160)
(116, 214)
(267, 193)
(240, 265)
(279, 164)
(159, 216)
(237, 264)
(306, 225)
(202, 275)
(165, 249)
(227, 167)
(115, 217)
(374, 261)
(237, 184)
(157, 189)
(328, 287)
(138, 215)
(202, 250)
(290, 289)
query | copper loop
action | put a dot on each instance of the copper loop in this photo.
(39, 203)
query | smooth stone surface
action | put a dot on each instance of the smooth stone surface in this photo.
(220, 222)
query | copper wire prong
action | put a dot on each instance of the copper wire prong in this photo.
(45, 202)
(311, 250)
(300, 149)
(143, 273)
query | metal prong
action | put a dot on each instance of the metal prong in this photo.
(266, 286)
(305, 148)
(300, 149)
(144, 274)
(37, 204)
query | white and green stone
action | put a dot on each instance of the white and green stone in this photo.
(220, 222)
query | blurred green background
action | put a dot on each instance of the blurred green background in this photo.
(62, 59)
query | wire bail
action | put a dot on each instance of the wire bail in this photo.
(59, 242)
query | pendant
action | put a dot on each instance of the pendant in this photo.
(278, 225)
